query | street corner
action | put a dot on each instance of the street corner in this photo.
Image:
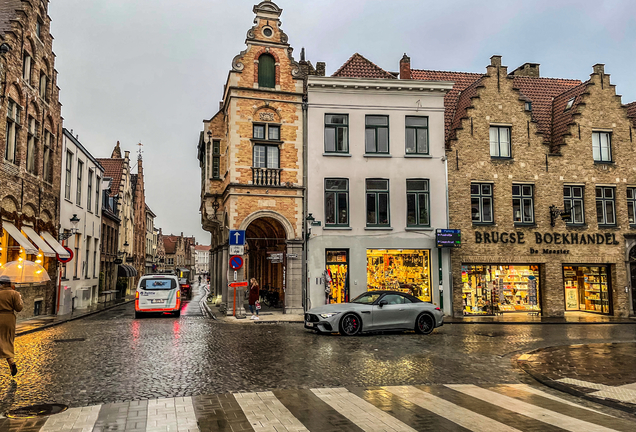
(602, 373)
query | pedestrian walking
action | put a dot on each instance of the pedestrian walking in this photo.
(199, 279)
(253, 298)
(10, 301)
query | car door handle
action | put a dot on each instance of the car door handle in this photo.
(367, 312)
(402, 309)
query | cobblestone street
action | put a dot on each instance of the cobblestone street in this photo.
(112, 357)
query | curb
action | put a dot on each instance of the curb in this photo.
(279, 322)
(548, 382)
(539, 323)
(203, 304)
(55, 324)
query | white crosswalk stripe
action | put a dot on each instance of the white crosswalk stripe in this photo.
(462, 416)
(529, 389)
(168, 415)
(75, 419)
(266, 413)
(560, 420)
(360, 412)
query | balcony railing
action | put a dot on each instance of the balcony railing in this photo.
(266, 176)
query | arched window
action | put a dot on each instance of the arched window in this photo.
(266, 71)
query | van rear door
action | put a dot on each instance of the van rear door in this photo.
(157, 293)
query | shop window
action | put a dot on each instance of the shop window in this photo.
(13, 127)
(80, 172)
(407, 271)
(336, 133)
(500, 141)
(266, 156)
(266, 71)
(481, 203)
(336, 202)
(69, 169)
(523, 203)
(490, 289)
(631, 205)
(602, 146)
(31, 145)
(377, 203)
(417, 135)
(417, 203)
(377, 134)
(587, 289)
(573, 197)
(216, 159)
(605, 206)
(338, 275)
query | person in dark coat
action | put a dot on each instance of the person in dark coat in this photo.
(10, 301)
(253, 298)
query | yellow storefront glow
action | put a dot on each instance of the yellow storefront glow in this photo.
(404, 270)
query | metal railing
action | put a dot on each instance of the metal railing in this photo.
(266, 176)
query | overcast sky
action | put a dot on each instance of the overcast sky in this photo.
(152, 70)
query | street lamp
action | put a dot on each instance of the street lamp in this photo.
(215, 206)
(310, 219)
(65, 235)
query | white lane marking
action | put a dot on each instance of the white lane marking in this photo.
(360, 412)
(265, 412)
(544, 415)
(443, 408)
(169, 415)
(530, 389)
(75, 419)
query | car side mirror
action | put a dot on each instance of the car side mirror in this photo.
(383, 302)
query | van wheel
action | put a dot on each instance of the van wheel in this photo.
(137, 315)
(177, 314)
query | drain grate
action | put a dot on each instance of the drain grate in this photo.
(36, 411)
(69, 340)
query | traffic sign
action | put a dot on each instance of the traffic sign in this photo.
(237, 238)
(239, 284)
(66, 260)
(237, 250)
(236, 262)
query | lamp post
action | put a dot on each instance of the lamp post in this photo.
(66, 235)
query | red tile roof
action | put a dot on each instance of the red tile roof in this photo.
(170, 244)
(461, 79)
(202, 248)
(464, 101)
(114, 169)
(631, 112)
(359, 67)
(561, 119)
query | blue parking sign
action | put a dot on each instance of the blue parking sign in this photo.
(237, 238)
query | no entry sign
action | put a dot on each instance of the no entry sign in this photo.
(236, 262)
(66, 260)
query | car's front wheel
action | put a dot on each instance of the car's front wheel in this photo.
(424, 324)
(350, 324)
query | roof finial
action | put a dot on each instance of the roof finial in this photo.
(140, 151)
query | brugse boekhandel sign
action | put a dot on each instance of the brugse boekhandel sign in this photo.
(564, 240)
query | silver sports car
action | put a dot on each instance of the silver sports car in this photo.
(376, 311)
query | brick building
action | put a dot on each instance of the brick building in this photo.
(251, 158)
(110, 237)
(161, 252)
(30, 142)
(542, 185)
(177, 252)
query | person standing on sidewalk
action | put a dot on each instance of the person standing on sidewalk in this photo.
(10, 301)
(253, 298)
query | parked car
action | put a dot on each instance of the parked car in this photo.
(185, 283)
(376, 311)
(158, 293)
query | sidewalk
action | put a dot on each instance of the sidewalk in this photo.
(525, 318)
(42, 322)
(269, 316)
(603, 373)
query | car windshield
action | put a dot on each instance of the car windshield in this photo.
(158, 284)
(366, 298)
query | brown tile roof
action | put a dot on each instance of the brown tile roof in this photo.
(202, 248)
(170, 244)
(359, 67)
(461, 79)
(561, 119)
(541, 92)
(631, 112)
(464, 101)
(114, 169)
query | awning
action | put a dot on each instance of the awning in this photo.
(35, 238)
(17, 236)
(126, 271)
(58, 248)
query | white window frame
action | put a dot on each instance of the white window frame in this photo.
(602, 146)
(496, 143)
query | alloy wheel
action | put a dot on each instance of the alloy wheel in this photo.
(425, 324)
(350, 325)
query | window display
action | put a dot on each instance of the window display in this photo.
(337, 276)
(587, 289)
(490, 289)
(403, 270)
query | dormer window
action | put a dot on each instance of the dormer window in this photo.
(528, 106)
(569, 105)
(266, 71)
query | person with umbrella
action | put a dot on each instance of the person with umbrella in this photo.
(10, 302)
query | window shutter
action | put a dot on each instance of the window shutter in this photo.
(266, 71)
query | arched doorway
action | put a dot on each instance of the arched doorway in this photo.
(632, 270)
(266, 259)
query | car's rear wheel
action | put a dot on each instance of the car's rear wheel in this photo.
(424, 324)
(177, 314)
(138, 315)
(350, 324)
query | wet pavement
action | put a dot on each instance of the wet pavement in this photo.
(112, 357)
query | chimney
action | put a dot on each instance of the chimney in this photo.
(320, 68)
(527, 69)
(181, 233)
(302, 54)
(599, 68)
(126, 155)
(405, 67)
(495, 61)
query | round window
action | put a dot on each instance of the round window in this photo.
(268, 32)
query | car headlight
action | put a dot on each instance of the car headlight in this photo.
(329, 315)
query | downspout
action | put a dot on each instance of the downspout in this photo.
(450, 265)
(305, 286)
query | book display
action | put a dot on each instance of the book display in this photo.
(587, 289)
(488, 289)
(404, 270)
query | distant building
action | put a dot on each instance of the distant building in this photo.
(202, 259)
(110, 237)
(151, 242)
(139, 220)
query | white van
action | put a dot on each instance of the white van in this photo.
(158, 293)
